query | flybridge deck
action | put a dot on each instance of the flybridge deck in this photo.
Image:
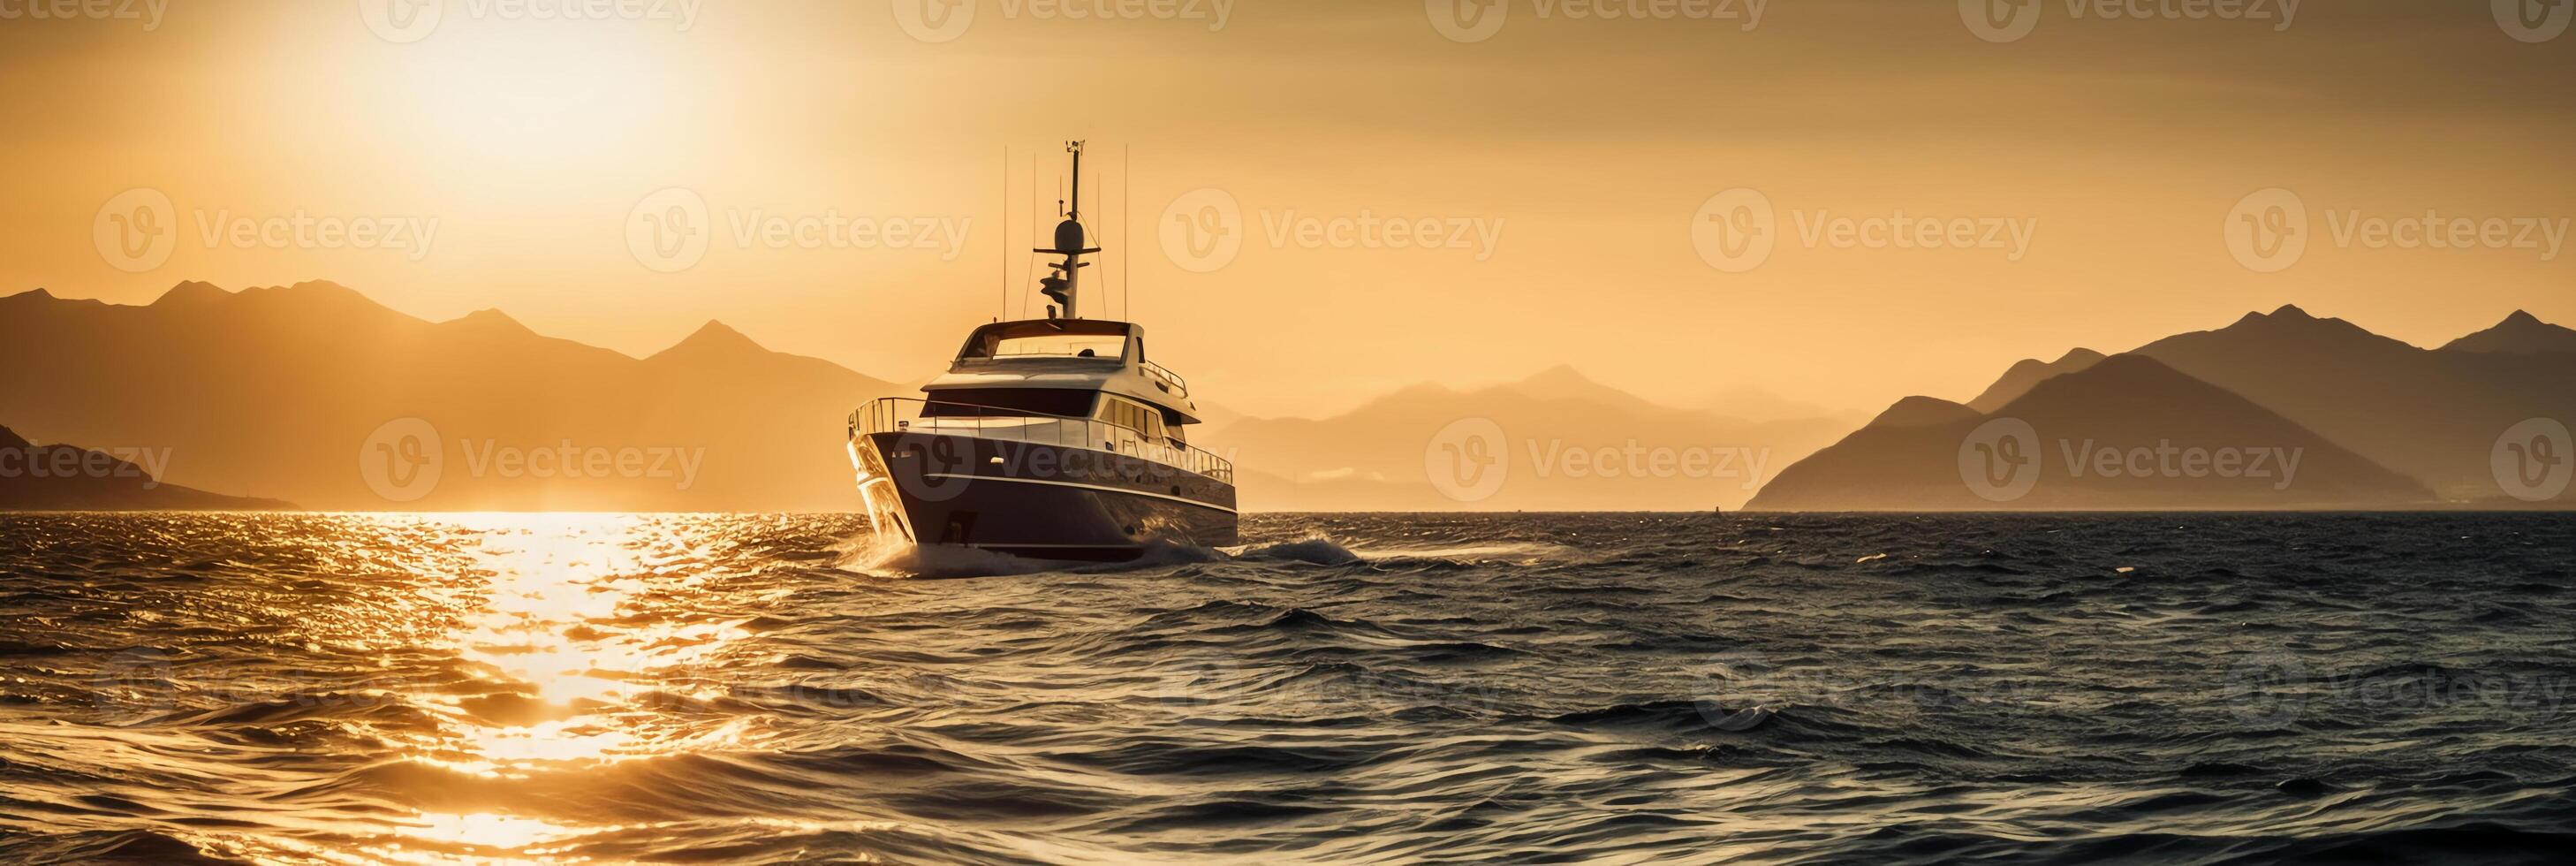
(1077, 354)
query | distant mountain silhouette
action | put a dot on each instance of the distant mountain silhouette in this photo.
(2145, 418)
(1923, 412)
(1379, 455)
(294, 391)
(1755, 404)
(67, 478)
(2029, 373)
(2519, 334)
(2434, 415)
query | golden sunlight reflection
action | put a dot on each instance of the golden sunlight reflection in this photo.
(482, 830)
(585, 638)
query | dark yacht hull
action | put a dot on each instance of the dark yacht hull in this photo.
(1036, 500)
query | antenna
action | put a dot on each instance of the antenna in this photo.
(1072, 243)
(1002, 253)
(1127, 232)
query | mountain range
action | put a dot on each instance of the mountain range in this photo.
(315, 393)
(2373, 422)
(1379, 456)
(69, 478)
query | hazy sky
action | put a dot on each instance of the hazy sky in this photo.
(505, 153)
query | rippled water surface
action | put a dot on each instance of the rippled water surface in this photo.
(605, 688)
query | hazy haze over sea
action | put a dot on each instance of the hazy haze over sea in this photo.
(310, 688)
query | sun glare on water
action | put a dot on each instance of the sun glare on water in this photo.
(588, 641)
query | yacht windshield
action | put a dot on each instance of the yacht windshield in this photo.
(1061, 346)
(1053, 338)
(1008, 403)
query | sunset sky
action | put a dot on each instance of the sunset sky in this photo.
(1564, 161)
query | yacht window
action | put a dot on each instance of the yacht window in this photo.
(1129, 414)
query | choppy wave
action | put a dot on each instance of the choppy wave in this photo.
(2206, 688)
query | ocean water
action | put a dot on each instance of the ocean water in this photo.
(1505, 688)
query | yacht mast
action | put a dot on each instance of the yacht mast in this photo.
(1065, 287)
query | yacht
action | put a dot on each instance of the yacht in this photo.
(1053, 438)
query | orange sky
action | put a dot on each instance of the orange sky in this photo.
(1562, 162)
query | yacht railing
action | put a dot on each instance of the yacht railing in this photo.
(914, 415)
(1180, 386)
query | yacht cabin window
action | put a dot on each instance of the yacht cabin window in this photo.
(1121, 412)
